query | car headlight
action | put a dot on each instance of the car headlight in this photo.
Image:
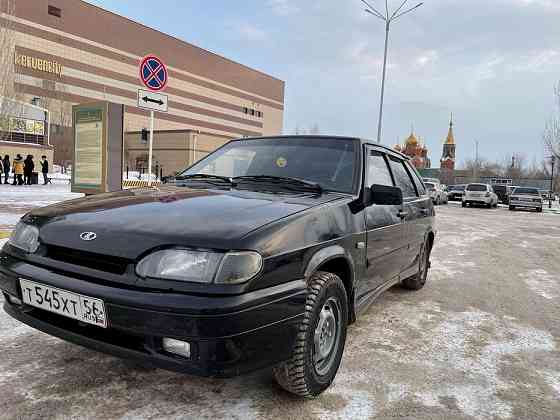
(200, 266)
(25, 237)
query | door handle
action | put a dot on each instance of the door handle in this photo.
(402, 214)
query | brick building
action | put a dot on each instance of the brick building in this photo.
(69, 51)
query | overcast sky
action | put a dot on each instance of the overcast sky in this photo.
(492, 62)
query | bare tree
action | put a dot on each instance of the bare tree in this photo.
(551, 135)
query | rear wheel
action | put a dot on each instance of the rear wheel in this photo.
(418, 281)
(320, 341)
(539, 210)
(464, 204)
(511, 208)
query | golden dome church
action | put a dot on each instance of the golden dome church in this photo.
(417, 152)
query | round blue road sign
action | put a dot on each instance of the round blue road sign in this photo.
(153, 73)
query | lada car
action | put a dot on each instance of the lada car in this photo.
(526, 198)
(480, 194)
(259, 255)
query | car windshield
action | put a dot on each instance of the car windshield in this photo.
(526, 191)
(329, 162)
(476, 187)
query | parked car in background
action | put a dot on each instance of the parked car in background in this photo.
(527, 198)
(455, 192)
(437, 193)
(481, 194)
(259, 255)
(501, 192)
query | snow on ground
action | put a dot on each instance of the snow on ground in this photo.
(17, 200)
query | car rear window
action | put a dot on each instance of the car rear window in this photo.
(527, 191)
(476, 187)
(458, 187)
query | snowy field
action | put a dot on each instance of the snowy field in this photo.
(15, 201)
(480, 341)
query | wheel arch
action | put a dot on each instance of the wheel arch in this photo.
(334, 259)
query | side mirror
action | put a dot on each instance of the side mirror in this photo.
(384, 195)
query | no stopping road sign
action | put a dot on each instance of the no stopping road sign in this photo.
(153, 73)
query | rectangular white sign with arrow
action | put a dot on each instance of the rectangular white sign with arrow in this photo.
(152, 101)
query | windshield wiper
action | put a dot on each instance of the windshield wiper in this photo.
(204, 177)
(280, 180)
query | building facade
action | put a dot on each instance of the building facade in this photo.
(417, 152)
(68, 52)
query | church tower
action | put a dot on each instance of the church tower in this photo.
(448, 157)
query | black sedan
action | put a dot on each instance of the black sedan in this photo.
(260, 255)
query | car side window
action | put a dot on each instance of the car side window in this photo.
(378, 171)
(416, 178)
(402, 178)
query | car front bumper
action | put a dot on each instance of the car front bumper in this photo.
(228, 335)
(526, 204)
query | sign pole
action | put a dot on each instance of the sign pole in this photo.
(150, 150)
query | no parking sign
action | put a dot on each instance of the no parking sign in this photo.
(153, 73)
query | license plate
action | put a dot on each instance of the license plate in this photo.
(62, 302)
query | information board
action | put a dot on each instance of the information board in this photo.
(98, 147)
(88, 152)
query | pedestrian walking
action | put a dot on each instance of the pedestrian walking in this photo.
(6, 168)
(28, 169)
(45, 169)
(18, 166)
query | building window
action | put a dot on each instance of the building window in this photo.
(252, 112)
(246, 110)
(55, 11)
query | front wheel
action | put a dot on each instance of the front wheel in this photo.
(464, 204)
(320, 340)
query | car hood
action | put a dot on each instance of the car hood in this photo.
(128, 223)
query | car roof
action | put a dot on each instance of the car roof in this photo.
(318, 136)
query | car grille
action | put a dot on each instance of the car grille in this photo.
(110, 264)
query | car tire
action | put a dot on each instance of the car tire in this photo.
(463, 204)
(323, 331)
(539, 210)
(489, 205)
(511, 208)
(418, 281)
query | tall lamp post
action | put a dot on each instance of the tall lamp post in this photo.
(551, 194)
(388, 18)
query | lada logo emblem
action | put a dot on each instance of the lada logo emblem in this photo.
(88, 236)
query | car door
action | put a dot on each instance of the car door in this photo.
(384, 226)
(416, 209)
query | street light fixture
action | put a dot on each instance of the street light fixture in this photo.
(388, 18)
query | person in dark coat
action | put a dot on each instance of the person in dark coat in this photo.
(28, 169)
(45, 169)
(6, 168)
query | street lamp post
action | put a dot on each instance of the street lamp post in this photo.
(388, 19)
(551, 194)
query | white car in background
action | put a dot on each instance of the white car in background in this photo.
(437, 193)
(527, 198)
(482, 194)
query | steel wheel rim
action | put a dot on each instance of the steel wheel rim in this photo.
(327, 336)
(424, 265)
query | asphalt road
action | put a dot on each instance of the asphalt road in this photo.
(481, 340)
